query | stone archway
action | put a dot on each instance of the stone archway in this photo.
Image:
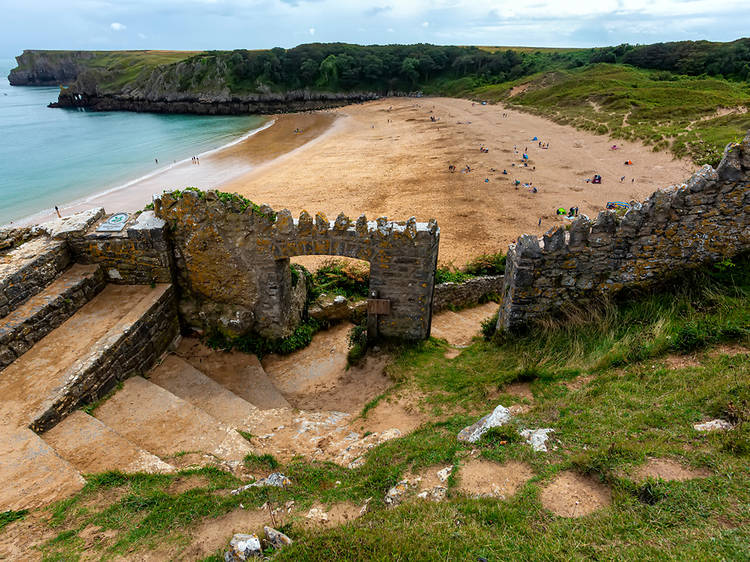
(232, 263)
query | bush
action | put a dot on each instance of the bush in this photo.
(357, 344)
(489, 327)
(349, 279)
(486, 264)
(261, 346)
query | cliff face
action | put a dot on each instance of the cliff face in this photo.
(159, 83)
(48, 68)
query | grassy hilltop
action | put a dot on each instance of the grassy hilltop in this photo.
(689, 97)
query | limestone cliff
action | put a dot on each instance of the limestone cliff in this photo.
(162, 82)
(48, 68)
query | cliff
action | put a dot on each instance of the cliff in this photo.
(163, 82)
(48, 68)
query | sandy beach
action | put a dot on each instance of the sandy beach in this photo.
(388, 157)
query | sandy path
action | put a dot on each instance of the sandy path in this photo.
(388, 158)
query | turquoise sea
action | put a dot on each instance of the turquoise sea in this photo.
(56, 156)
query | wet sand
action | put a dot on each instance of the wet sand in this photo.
(388, 157)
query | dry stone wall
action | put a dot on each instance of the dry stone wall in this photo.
(232, 263)
(467, 293)
(703, 221)
(139, 254)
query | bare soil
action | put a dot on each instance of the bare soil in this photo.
(573, 495)
(668, 469)
(487, 478)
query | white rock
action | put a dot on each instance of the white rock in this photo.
(242, 547)
(537, 438)
(713, 425)
(444, 474)
(473, 433)
(318, 515)
(397, 493)
(276, 480)
(276, 538)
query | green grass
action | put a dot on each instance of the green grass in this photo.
(628, 406)
(663, 110)
(7, 517)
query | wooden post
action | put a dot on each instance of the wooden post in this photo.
(372, 318)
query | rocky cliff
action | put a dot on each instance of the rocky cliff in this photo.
(162, 82)
(48, 68)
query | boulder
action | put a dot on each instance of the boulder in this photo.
(473, 433)
(277, 539)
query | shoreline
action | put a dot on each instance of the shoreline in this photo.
(218, 166)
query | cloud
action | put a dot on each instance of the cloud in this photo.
(375, 10)
(391, 30)
(117, 26)
(425, 24)
(141, 36)
(311, 31)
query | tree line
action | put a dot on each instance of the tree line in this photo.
(389, 68)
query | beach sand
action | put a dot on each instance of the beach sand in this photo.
(388, 158)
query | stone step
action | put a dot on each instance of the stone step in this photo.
(185, 381)
(31, 472)
(239, 372)
(156, 420)
(27, 269)
(46, 310)
(90, 446)
(121, 331)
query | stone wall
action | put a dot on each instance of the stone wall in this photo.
(28, 269)
(232, 263)
(467, 293)
(703, 221)
(17, 335)
(137, 255)
(134, 351)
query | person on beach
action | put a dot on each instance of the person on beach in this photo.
(59, 216)
(156, 160)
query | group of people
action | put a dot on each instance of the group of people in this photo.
(196, 160)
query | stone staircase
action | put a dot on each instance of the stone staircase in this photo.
(66, 338)
(73, 339)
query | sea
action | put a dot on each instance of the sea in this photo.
(54, 157)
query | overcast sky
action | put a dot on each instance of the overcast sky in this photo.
(253, 24)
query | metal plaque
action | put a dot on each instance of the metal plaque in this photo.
(115, 223)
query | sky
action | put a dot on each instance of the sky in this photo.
(259, 24)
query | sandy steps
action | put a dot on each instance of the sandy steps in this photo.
(459, 328)
(188, 383)
(33, 382)
(160, 422)
(239, 372)
(46, 310)
(32, 473)
(90, 446)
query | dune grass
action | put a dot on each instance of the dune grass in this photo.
(661, 109)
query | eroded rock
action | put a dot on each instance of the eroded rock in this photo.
(473, 433)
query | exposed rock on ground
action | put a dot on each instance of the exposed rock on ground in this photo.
(473, 433)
